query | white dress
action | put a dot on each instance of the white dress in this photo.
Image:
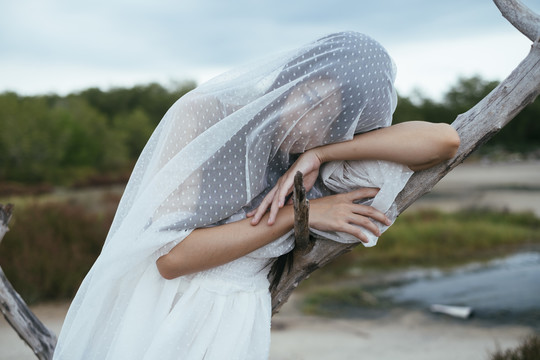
(215, 151)
(221, 313)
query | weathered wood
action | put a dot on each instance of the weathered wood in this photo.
(475, 127)
(40, 339)
(482, 122)
(301, 214)
(5, 215)
(521, 17)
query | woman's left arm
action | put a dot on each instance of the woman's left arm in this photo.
(416, 144)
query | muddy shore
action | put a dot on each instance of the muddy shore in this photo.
(400, 333)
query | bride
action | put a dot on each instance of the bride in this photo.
(183, 273)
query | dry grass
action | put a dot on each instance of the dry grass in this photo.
(50, 247)
(529, 349)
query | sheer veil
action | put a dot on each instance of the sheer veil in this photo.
(216, 153)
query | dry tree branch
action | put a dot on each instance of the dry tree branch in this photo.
(36, 335)
(521, 17)
(475, 127)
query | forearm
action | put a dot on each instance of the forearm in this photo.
(210, 247)
(416, 144)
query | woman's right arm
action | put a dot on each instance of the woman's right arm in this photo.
(210, 247)
(416, 144)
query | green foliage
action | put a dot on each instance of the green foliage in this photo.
(95, 133)
(152, 99)
(323, 300)
(50, 247)
(432, 238)
(426, 238)
(66, 140)
(521, 134)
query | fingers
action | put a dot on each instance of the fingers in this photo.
(355, 231)
(355, 225)
(371, 213)
(259, 212)
(362, 193)
(285, 188)
(364, 222)
(274, 200)
(362, 215)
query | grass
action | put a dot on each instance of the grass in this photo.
(51, 246)
(426, 238)
(434, 238)
(430, 238)
(328, 301)
(55, 239)
(528, 349)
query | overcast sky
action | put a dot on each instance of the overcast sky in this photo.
(68, 45)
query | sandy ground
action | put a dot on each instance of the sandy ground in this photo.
(513, 186)
(400, 334)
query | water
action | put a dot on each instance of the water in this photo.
(501, 291)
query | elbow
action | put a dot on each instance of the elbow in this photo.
(166, 268)
(450, 141)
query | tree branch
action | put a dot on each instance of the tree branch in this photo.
(475, 127)
(301, 214)
(521, 17)
(40, 339)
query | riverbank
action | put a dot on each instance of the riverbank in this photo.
(396, 333)
(504, 186)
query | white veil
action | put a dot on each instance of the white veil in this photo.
(217, 152)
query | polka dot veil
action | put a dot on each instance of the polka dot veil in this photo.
(217, 152)
(221, 147)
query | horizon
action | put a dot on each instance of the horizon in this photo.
(55, 46)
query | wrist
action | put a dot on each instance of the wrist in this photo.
(320, 154)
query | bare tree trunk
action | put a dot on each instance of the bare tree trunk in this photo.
(40, 339)
(475, 127)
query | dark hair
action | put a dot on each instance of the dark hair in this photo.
(278, 267)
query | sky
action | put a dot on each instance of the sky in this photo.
(63, 46)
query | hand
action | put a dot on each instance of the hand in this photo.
(340, 213)
(308, 164)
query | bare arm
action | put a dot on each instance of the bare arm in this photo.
(417, 144)
(209, 247)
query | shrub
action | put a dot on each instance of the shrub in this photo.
(50, 247)
(529, 349)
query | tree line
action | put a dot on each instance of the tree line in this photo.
(64, 140)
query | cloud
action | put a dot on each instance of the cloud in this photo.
(58, 45)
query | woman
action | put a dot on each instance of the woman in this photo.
(183, 272)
